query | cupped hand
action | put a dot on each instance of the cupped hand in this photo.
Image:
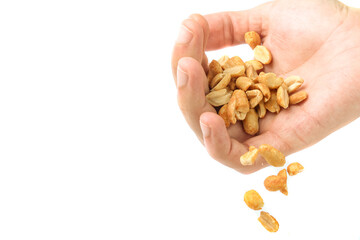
(315, 39)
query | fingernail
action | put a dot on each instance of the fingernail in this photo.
(182, 77)
(184, 36)
(205, 130)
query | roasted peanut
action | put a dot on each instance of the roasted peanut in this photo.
(282, 97)
(214, 69)
(251, 73)
(215, 80)
(293, 83)
(298, 97)
(251, 122)
(272, 104)
(252, 39)
(223, 60)
(238, 102)
(224, 82)
(294, 168)
(236, 71)
(268, 222)
(256, 64)
(243, 83)
(277, 182)
(270, 80)
(260, 109)
(253, 200)
(255, 96)
(273, 156)
(264, 90)
(240, 115)
(223, 113)
(249, 157)
(262, 54)
(219, 98)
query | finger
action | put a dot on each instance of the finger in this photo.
(192, 86)
(221, 147)
(190, 43)
(229, 28)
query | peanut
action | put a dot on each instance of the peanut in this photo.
(298, 97)
(219, 97)
(264, 90)
(236, 71)
(268, 222)
(223, 113)
(270, 80)
(243, 83)
(273, 156)
(251, 122)
(293, 83)
(249, 157)
(238, 102)
(214, 69)
(262, 54)
(294, 168)
(255, 96)
(260, 109)
(251, 73)
(224, 82)
(252, 39)
(278, 182)
(256, 64)
(272, 104)
(222, 61)
(253, 200)
(282, 97)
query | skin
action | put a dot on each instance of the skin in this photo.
(315, 39)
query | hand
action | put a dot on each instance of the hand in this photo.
(315, 39)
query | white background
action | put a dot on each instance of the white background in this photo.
(93, 145)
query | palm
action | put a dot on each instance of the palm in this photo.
(322, 59)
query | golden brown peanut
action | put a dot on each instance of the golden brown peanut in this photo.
(255, 96)
(293, 83)
(270, 80)
(240, 115)
(243, 83)
(282, 97)
(294, 168)
(251, 73)
(236, 71)
(273, 156)
(262, 54)
(223, 113)
(223, 60)
(238, 102)
(252, 39)
(232, 62)
(214, 69)
(264, 90)
(272, 104)
(277, 182)
(220, 97)
(298, 97)
(256, 64)
(251, 122)
(253, 200)
(268, 222)
(215, 80)
(249, 157)
(224, 82)
(232, 84)
(260, 109)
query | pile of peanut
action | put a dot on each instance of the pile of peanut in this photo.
(272, 183)
(242, 92)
